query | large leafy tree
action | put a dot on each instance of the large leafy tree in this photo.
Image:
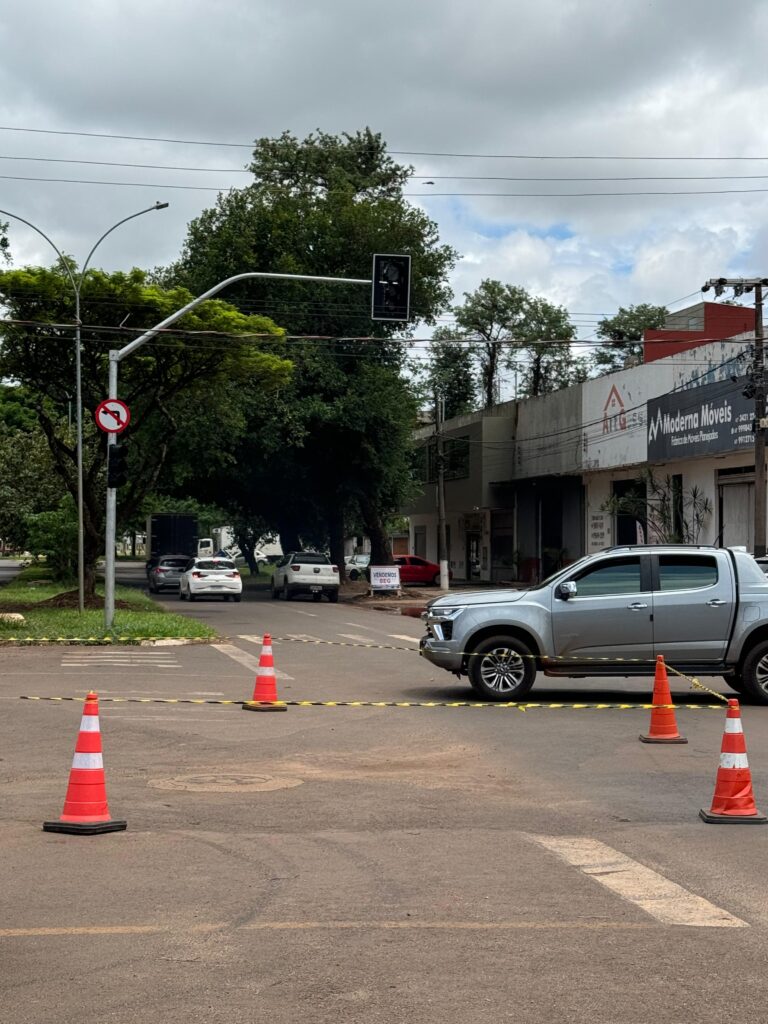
(451, 372)
(623, 335)
(512, 329)
(28, 483)
(550, 364)
(187, 390)
(323, 206)
(493, 315)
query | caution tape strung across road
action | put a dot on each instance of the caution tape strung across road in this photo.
(505, 705)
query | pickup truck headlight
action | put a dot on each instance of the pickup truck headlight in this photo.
(444, 613)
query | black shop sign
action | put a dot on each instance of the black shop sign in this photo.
(711, 419)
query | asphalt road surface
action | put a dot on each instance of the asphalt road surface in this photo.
(380, 864)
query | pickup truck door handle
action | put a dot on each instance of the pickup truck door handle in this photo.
(637, 606)
(716, 602)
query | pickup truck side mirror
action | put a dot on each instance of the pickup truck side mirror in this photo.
(567, 589)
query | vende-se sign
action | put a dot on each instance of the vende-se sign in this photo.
(700, 421)
(385, 577)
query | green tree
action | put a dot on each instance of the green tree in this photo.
(544, 336)
(28, 483)
(493, 316)
(451, 372)
(323, 206)
(187, 389)
(623, 334)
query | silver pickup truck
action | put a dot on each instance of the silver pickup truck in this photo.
(704, 608)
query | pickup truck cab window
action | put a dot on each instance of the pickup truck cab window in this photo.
(614, 576)
(687, 572)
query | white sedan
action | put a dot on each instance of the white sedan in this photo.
(210, 577)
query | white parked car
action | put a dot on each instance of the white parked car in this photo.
(210, 577)
(306, 572)
(357, 565)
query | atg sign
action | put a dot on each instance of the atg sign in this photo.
(711, 419)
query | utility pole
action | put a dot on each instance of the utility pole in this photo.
(740, 287)
(442, 533)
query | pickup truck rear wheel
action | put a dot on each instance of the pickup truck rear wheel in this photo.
(502, 668)
(754, 674)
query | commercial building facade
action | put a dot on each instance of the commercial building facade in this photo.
(527, 482)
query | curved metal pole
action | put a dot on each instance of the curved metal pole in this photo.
(76, 286)
(115, 357)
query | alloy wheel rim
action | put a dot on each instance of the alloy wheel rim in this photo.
(761, 673)
(502, 670)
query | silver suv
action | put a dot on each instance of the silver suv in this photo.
(704, 608)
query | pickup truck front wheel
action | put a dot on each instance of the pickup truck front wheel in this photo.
(754, 674)
(502, 668)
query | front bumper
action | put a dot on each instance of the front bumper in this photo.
(443, 653)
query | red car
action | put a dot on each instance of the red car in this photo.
(418, 570)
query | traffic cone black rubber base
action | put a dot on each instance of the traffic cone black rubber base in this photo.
(255, 705)
(732, 819)
(663, 739)
(93, 828)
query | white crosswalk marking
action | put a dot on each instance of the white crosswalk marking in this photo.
(246, 660)
(359, 625)
(356, 638)
(667, 901)
(402, 636)
(118, 659)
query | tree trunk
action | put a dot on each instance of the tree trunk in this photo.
(381, 546)
(247, 546)
(289, 538)
(336, 533)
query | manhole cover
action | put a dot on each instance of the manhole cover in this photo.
(225, 782)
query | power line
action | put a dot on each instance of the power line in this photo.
(429, 178)
(393, 152)
(409, 195)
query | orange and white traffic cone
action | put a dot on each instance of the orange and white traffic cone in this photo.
(733, 802)
(663, 722)
(85, 806)
(265, 691)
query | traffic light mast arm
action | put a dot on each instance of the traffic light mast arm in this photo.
(116, 356)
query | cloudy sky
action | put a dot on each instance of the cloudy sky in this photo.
(494, 96)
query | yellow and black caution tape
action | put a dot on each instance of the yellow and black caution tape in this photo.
(518, 705)
(697, 684)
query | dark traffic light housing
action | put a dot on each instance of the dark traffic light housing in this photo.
(391, 287)
(117, 465)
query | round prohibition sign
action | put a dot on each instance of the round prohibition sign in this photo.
(112, 416)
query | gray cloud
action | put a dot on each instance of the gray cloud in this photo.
(559, 77)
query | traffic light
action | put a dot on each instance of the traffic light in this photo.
(117, 465)
(390, 287)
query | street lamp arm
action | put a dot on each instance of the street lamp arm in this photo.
(120, 354)
(149, 209)
(53, 245)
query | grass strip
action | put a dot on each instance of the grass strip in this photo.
(136, 615)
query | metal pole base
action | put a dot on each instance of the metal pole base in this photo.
(663, 739)
(254, 705)
(732, 819)
(93, 828)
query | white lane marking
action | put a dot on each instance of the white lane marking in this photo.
(667, 901)
(311, 615)
(359, 625)
(357, 638)
(402, 636)
(247, 660)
